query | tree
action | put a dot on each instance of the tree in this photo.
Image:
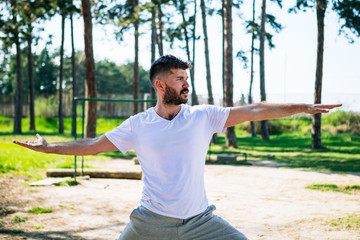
(90, 83)
(264, 123)
(228, 66)
(181, 33)
(207, 60)
(320, 6)
(250, 99)
(185, 23)
(62, 8)
(73, 68)
(153, 43)
(136, 53)
(44, 74)
(206, 52)
(126, 16)
(32, 11)
(18, 95)
(161, 26)
(263, 34)
(10, 25)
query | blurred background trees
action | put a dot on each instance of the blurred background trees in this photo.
(27, 75)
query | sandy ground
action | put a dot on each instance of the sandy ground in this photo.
(262, 202)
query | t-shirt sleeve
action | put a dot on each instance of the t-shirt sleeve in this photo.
(218, 117)
(122, 136)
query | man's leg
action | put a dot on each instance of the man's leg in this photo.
(207, 226)
(146, 225)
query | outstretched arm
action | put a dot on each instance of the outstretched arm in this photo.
(81, 147)
(265, 111)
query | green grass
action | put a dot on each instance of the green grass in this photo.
(342, 151)
(38, 227)
(18, 160)
(19, 219)
(289, 143)
(332, 187)
(350, 221)
(67, 183)
(38, 210)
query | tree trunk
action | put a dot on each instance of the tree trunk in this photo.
(194, 99)
(250, 100)
(228, 66)
(136, 61)
(153, 46)
(73, 74)
(207, 61)
(207, 58)
(264, 124)
(60, 112)
(316, 121)
(18, 97)
(160, 37)
(31, 80)
(90, 83)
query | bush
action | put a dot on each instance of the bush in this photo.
(341, 118)
(342, 122)
(277, 126)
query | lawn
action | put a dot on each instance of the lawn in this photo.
(290, 143)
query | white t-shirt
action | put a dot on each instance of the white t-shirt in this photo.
(172, 156)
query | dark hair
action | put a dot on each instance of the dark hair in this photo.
(163, 65)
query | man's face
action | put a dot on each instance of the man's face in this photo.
(177, 87)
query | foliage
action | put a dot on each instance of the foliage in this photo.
(39, 210)
(349, 12)
(45, 74)
(111, 78)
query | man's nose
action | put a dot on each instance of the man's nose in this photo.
(186, 84)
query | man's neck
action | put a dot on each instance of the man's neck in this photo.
(167, 111)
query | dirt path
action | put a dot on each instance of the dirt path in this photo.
(262, 202)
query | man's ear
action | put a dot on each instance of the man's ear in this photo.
(160, 85)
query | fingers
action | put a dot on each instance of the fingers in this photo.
(28, 143)
(331, 106)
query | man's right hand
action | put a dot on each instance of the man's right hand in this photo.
(80, 147)
(39, 144)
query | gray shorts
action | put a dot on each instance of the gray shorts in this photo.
(145, 224)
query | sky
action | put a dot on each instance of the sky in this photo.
(289, 67)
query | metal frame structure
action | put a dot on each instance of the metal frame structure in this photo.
(76, 99)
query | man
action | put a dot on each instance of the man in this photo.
(171, 142)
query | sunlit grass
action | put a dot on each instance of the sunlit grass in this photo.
(289, 143)
(342, 151)
(333, 187)
(39, 210)
(352, 221)
(22, 161)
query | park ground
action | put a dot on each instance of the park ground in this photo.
(273, 199)
(264, 202)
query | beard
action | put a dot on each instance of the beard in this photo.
(171, 97)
